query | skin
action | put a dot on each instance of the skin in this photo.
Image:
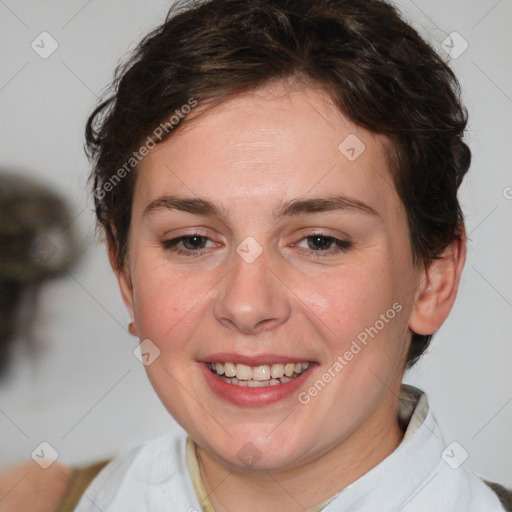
(30, 487)
(251, 154)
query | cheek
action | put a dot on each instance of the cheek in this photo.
(166, 303)
(360, 313)
(352, 296)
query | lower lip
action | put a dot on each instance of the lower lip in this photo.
(255, 397)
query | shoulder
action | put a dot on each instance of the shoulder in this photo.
(453, 485)
(457, 488)
(30, 487)
(472, 489)
(447, 481)
(137, 475)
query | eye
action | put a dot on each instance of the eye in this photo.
(320, 244)
(193, 244)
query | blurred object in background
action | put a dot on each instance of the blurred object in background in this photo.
(37, 243)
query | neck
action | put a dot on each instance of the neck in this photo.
(311, 484)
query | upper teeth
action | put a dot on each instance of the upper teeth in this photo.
(261, 373)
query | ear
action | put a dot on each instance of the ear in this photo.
(438, 287)
(125, 286)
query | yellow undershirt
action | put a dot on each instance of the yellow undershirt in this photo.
(193, 467)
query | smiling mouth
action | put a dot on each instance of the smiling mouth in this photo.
(257, 376)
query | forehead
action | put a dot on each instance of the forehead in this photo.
(280, 142)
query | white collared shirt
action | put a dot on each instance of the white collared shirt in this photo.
(422, 474)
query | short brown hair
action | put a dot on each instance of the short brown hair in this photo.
(376, 68)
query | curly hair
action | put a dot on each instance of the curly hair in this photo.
(375, 67)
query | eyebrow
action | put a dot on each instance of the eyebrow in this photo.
(201, 206)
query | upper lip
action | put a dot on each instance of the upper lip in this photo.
(257, 360)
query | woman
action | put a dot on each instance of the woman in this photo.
(278, 185)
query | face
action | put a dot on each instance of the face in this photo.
(269, 262)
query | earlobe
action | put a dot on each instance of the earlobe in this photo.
(126, 289)
(438, 287)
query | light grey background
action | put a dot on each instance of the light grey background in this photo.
(86, 394)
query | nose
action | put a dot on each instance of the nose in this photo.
(252, 297)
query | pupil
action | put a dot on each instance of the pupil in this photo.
(317, 239)
(197, 242)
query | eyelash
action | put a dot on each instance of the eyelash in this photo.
(341, 246)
